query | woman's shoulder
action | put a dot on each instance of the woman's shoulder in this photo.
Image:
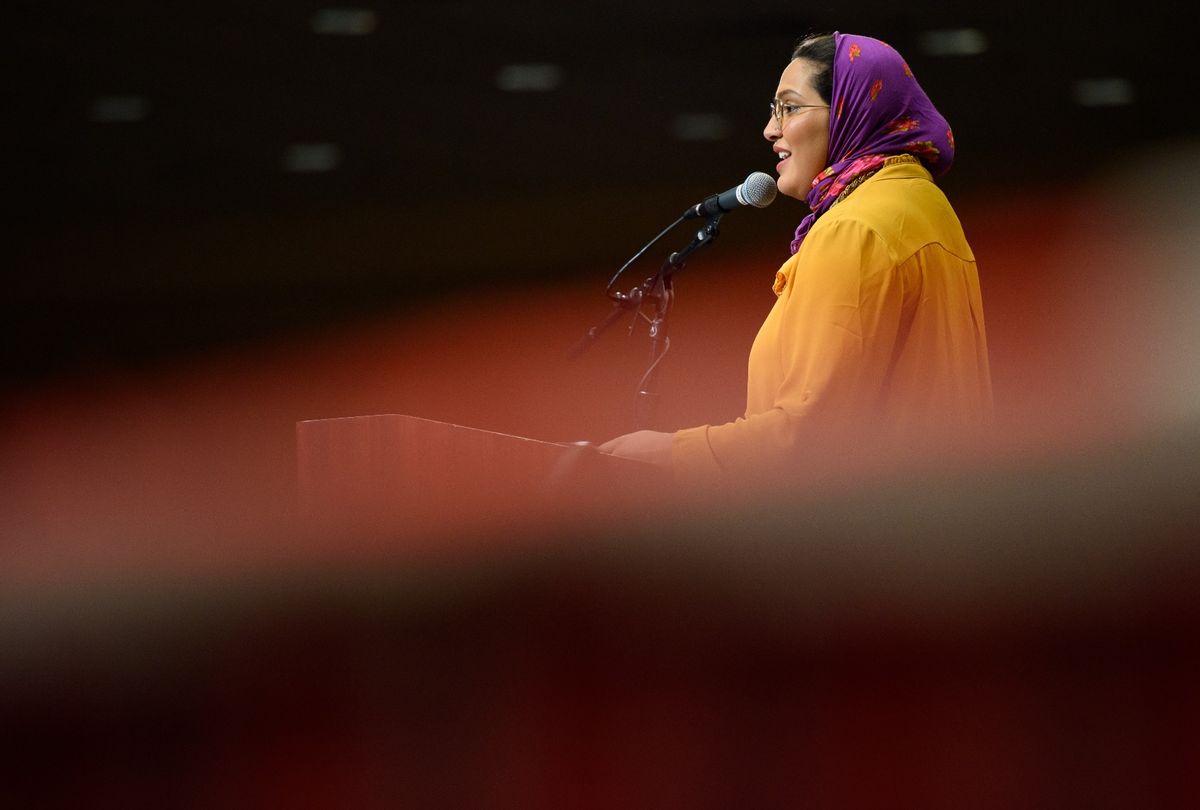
(906, 210)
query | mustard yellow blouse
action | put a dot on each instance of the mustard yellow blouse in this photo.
(877, 336)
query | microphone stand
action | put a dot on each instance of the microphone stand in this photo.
(660, 289)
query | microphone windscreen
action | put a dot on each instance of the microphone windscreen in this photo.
(758, 190)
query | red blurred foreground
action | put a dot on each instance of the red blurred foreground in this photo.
(1013, 631)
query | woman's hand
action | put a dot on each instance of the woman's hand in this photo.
(642, 445)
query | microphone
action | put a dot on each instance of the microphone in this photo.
(758, 190)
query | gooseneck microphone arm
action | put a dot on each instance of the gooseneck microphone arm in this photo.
(658, 289)
(758, 190)
(622, 302)
(662, 292)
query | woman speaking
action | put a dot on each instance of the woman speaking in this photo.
(876, 340)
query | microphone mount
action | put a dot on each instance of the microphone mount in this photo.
(658, 289)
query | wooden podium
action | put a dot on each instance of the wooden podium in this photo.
(407, 476)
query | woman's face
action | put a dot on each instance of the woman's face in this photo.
(802, 141)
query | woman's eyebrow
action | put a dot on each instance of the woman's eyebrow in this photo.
(788, 92)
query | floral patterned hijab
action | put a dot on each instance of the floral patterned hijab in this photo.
(878, 110)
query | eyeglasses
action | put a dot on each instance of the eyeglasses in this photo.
(785, 109)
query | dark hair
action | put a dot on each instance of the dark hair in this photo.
(819, 50)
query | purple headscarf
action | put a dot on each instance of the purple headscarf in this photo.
(877, 110)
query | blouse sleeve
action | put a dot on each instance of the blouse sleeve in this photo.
(827, 344)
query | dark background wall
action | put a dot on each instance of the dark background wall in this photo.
(154, 212)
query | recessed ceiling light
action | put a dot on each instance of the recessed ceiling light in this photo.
(701, 127)
(353, 22)
(529, 78)
(953, 42)
(119, 109)
(1103, 92)
(312, 157)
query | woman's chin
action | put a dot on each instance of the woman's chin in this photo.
(791, 189)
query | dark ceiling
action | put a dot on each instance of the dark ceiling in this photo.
(154, 140)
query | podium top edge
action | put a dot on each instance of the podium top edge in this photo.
(389, 416)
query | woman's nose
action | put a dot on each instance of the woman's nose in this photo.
(772, 131)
